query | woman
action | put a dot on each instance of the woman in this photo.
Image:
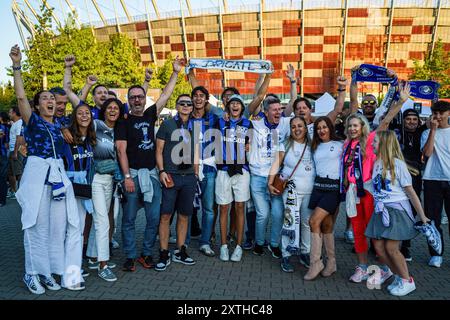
(393, 220)
(327, 150)
(357, 162)
(78, 160)
(298, 168)
(106, 168)
(51, 241)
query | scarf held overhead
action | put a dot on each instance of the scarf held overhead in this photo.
(255, 66)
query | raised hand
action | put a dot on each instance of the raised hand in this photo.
(355, 68)
(91, 80)
(15, 54)
(342, 82)
(69, 61)
(391, 73)
(148, 74)
(404, 88)
(290, 73)
(178, 64)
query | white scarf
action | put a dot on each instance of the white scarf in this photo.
(254, 66)
(290, 232)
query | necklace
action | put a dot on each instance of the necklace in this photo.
(410, 140)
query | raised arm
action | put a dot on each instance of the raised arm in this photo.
(354, 93)
(167, 92)
(69, 61)
(91, 80)
(339, 105)
(290, 74)
(396, 107)
(148, 78)
(254, 104)
(22, 101)
(192, 79)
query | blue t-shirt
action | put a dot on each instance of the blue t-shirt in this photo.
(208, 121)
(64, 121)
(38, 139)
(95, 112)
(4, 140)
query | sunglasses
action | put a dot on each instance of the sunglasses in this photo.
(369, 102)
(185, 104)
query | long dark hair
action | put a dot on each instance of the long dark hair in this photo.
(316, 139)
(74, 128)
(290, 140)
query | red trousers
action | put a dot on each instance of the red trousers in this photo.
(359, 223)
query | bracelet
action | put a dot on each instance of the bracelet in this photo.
(340, 90)
(17, 68)
(293, 81)
(147, 80)
(161, 171)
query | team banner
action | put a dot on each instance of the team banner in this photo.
(255, 66)
(371, 73)
(424, 89)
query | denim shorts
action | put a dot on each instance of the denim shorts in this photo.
(181, 196)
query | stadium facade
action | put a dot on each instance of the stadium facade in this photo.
(320, 38)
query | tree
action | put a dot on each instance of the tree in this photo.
(435, 67)
(7, 96)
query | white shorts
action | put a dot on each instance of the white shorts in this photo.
(236, 188)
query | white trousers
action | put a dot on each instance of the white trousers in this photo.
(102, 191)
(52, 245)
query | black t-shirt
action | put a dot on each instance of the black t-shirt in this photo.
(139, 132)
(410, 144)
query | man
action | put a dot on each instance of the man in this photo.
(177, 161)
(15, 168)
(268, 133)
(409, 134)
(436, 178)
(61, 101)
(135, 143)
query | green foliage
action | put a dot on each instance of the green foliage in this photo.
(435, 67)
(7, 96)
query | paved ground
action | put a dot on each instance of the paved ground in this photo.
(253, 278)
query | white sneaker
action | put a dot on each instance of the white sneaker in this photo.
(50, 283)
(224, 254)
(207, 251)
(404, 287)
(359, 275)
(237, 254)
(435, 261)
(394, 283)
(33, 284)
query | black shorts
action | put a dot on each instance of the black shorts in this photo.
(326, 200)
(181, 196)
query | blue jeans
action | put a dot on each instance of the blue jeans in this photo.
(265, 205)
(130, 209)
(3, 175)
(208, 192)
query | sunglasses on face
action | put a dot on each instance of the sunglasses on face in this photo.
(185, 104)
(369, 102)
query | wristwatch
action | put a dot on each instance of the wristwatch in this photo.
(127, 176)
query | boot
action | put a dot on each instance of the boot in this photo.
(316, 265)
(328, 241)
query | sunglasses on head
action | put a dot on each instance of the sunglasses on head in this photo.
(367, 102)
(185, 104)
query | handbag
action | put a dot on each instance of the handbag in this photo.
(279, 182)
(82, 191)
(108, 166)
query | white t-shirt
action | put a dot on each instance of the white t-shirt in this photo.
(305, 173)
(438, 165)
(260, 156)
(13, 133)
(387, 191)
(327, 159)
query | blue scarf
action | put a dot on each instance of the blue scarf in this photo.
(271, 127)
(427, 90)
(372, 73)
(357, 171)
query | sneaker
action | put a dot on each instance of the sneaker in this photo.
(403, 287)
(276, 252)
(76, 287)
(224, 253)
(237, 254)
(115, 244)
(286, 266)
(359, 275)
(304, 259)
(33, 284)
(106, 274)
(376, 278)
(248, 244)
(349, 237)
(258, 250)
(164, 260)
(207, 251)
(49, 282)
(435, 261)
(146, 261)
(181, 256)
(394, 283)
(406, 253)
(94, 264)
(129, 265)
(84, 273)
(172, 240)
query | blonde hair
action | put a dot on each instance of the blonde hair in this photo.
(388, 151)
(365, 131)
